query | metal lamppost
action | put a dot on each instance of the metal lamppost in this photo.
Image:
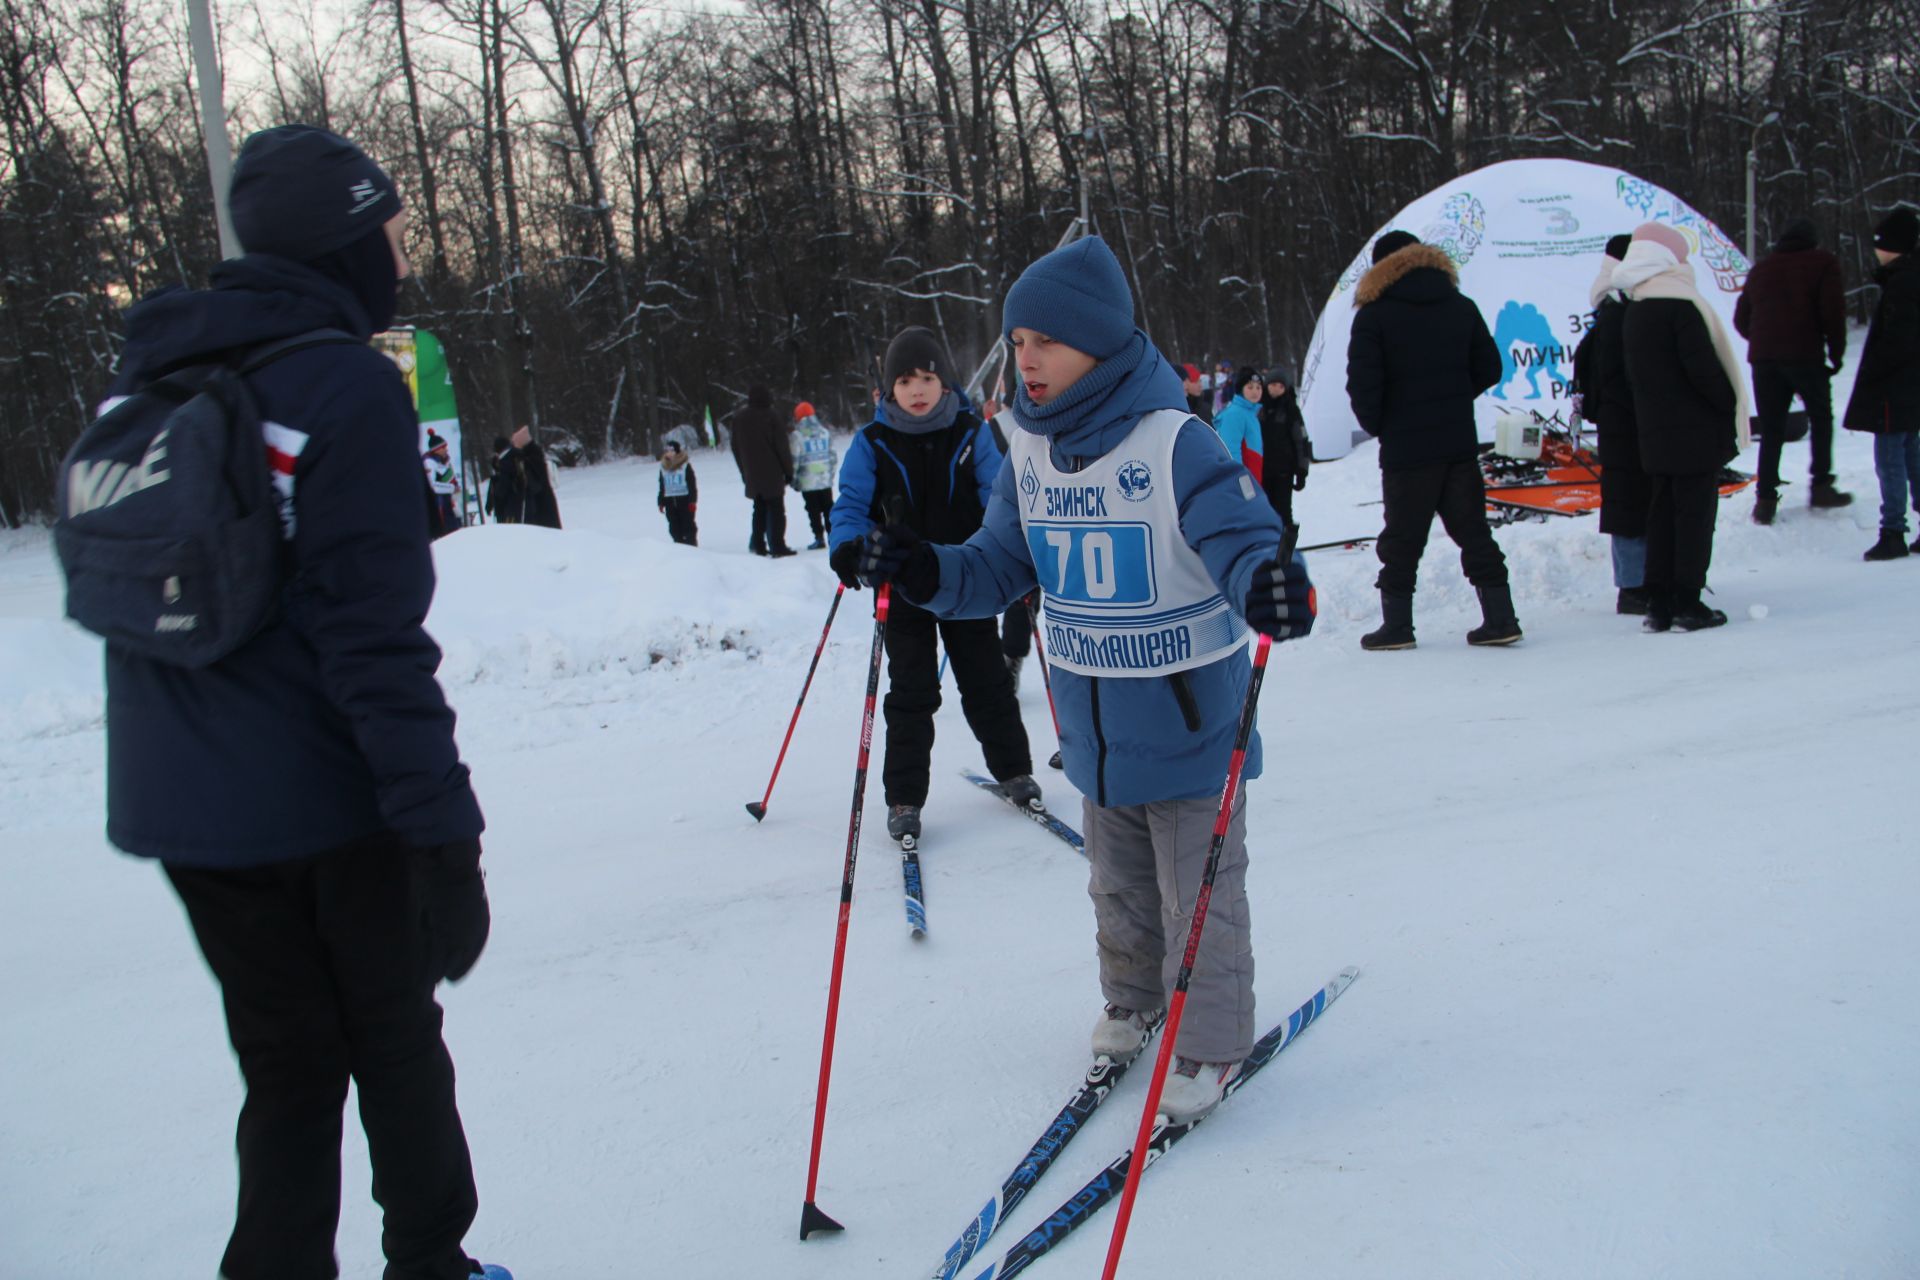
(1753, 169)
(213, 120)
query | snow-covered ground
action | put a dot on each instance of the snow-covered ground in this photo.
(1635, 914)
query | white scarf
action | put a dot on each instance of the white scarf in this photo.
(1651, 271)
(1603, 285)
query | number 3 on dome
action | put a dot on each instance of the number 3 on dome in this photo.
(1098, 564)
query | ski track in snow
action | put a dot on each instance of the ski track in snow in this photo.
(1634, 915)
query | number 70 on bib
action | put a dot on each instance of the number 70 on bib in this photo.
(1108, 563)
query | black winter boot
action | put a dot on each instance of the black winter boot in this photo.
(1892, 546)
(1632, 601)
(1691, 614)
(1659, 609)
(1497, 623)
(1765, 507)
(1396, 625)
(1826, 496)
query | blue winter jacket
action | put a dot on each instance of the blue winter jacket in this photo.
(1125, 740)
(1238, 423)
(860, 480)
(329, 725)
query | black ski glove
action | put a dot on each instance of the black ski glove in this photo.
(845, 563)
(895, 553)
(1299, 481)
(1281, 601)
(453, 895)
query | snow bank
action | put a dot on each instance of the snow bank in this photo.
(526, 605)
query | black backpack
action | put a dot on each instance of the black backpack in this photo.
(168, 524)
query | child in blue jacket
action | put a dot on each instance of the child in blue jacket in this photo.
(927, 463)
(1154, 550)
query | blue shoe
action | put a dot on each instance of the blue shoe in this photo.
(492, 1271)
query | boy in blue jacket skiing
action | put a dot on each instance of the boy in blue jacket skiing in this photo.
(928, 464)
(1154, 551)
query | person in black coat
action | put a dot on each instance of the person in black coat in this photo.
(1886, 391)
(1606, 399)
(532, 484)
(1419, 357)
(304, 794)
(1287, 454)
(1689, 408)
(928, 462)
(503, 496)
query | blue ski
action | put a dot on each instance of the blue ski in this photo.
(1100, 1080)
(1041, 816)
(1106, 1185)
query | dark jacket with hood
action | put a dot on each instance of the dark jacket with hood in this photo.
(1793, 307)
(1419, 357)
(329, 724)
(1600, 376)
(528, 497)
(936, 482)
(1886, 392)
(1283, 434)
(761, 447)
(1682, 400)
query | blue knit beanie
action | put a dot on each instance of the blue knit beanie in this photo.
(1077, 295)
(301, 192)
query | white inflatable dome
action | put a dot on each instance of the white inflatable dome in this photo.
(1527, 236)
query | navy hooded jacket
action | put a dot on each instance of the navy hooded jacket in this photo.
(329, 725)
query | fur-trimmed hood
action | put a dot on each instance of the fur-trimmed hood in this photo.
(1396, 266)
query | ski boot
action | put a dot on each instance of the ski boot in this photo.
(903, 824)
(1193, 1089)
(1024, 792)
(1121, 1034)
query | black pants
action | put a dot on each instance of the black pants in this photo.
(680, 523)
(1775, 383)
(1456, 493)
(324, 967)
(1680, 531)
(1016, 630)
(913, 695)
(819, 511)
(769, 525)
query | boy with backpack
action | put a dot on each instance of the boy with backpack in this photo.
(1155, 551)
(679, 493)
(927, 463)
(290, 763)
(814, 458)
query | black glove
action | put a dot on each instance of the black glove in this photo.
(844, 560)
(1281, 601)
(895, 553)
(1835, 365)
(1299, 483)
(453, 896)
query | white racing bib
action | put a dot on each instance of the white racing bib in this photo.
(1124, 593)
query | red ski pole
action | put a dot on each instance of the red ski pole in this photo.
(1177, 1006)
(758, 808)
(811, 1219)
(1046, 679)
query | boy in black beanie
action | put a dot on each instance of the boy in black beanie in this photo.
(928, 462)
(304, 795)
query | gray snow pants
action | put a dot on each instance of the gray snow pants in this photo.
(1147, 860)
